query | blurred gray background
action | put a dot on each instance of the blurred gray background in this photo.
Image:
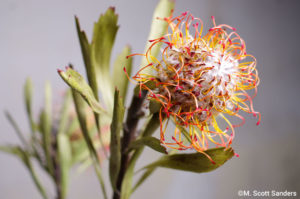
(37, 37)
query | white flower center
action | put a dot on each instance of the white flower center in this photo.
(206, 79)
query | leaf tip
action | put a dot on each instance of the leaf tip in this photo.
(117, 90)
(70, 66)
(112, 8)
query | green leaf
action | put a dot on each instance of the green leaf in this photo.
(25, 158)
(48, 104)
(17, 129)
(81, 113)
(28, 90)
(80, 151)
(84, 165)
(145, 175)
(73, 126)
(45, 128)
(158, 28)
(77, 82)
(65, 111)
(151, 142)
(65, 158)
(126, 187)
(82, 117)
(119, 77)
(90, 70)
(64, 145)
(150, 128)
(195, 162)
(115, 140)
(105, 31)
(86, 54)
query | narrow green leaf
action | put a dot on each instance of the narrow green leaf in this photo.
(64, 115)
(46, 141)
(28, 90)
(28, 93)
(45, 127)
(77, 82)
(65, 158)
(82, 117)
(81, 113)
(119, 77)
(115, 140)
(90, 69)
(126, 187)
(17, 129)
(151, 142)
(86, 54)
(64, 145)
(48, 104)
(195, 162)
(73, 126)
(80, 151)
(105, 31)
(145, 175)
(25, 158)
(150, 128)
(158, 28)
(84, 165)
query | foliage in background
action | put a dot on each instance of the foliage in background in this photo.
(55, 141)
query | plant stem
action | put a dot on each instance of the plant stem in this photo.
(56, 168)
(35, 177)
(57, 176)
(58, 192)
(133, 116)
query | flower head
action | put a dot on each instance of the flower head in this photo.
(198, 80)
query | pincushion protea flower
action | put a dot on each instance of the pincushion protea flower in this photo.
(199, 79)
